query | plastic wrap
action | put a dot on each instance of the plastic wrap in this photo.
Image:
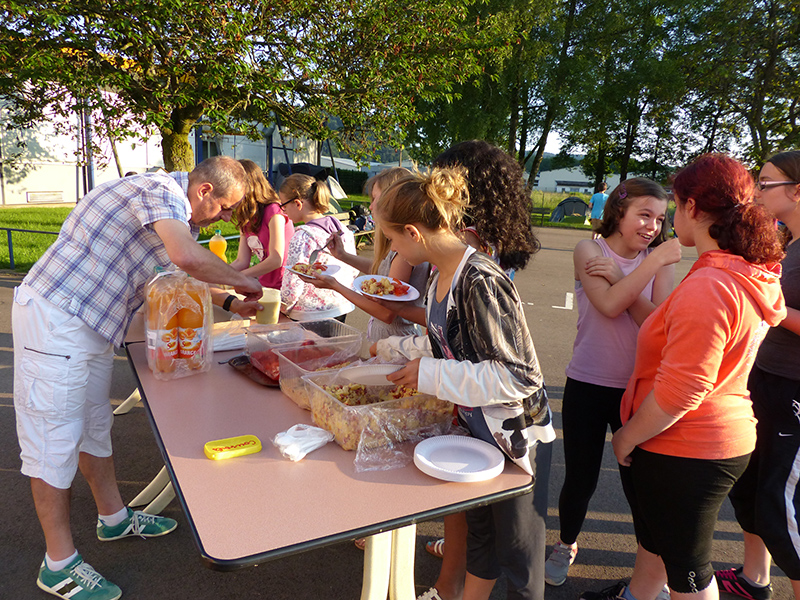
(263, 340)
(179, 325)
(384, 446)
(390, 412)
(299, 440)
(327, 355)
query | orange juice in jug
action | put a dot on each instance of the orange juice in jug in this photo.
(191, 320)
(217, 244)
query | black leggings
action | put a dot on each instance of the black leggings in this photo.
(587, 412)
(675, 502)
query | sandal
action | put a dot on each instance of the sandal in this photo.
(436, 548)
(360, 543)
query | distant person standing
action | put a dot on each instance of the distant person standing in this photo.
(596, 205)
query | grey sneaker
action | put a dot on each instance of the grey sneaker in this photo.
(557, 566)
(663, 594)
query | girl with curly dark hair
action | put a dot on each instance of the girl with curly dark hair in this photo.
(498, 221)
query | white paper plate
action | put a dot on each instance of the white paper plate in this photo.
(458, 458)
(411, 294)
(329, 270)
(369, 374)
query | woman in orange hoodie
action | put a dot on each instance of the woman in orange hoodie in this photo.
(688, 426)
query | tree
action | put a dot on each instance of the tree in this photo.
(743, 64)
(240, 63)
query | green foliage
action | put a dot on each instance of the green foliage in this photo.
(241, 63)
(352, 182)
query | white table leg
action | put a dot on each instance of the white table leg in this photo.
(153, 489)
(128, 403)
(161, 501)
(377, 566)
(401, 579)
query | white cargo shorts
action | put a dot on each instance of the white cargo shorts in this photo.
(62, 380)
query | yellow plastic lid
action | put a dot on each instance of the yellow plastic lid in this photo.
(232, 447)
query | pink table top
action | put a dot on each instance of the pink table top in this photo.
(246, 510)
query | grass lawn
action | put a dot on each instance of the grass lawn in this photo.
(28, 247)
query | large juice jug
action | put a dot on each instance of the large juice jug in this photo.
(162, 323)
(191, 318)
(217, 244)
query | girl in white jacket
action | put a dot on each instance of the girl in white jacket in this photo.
(479, 355)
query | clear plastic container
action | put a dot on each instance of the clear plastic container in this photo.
(387, 419)
(325, 356)
(262, 340)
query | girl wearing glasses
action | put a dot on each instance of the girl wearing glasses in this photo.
(766, 497)
(306, 200)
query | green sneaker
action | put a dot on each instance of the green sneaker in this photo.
(77, 581)
(137, 523)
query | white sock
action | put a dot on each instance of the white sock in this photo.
(57, 565)
(115, 519)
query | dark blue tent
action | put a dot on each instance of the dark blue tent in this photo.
(569, 207)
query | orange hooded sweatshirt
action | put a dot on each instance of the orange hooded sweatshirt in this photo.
(696, 350)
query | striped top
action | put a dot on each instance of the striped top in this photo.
(107, 250)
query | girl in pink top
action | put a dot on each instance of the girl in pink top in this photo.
(265, 230)
(688, 427)
(619, 279)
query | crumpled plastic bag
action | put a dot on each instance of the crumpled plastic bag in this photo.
(300, 439)
(383, 446)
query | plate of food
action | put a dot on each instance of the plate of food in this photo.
(369, 374)
(313, 269)
(388, 288)
(458, 458)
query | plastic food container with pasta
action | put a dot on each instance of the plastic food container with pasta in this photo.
(389, 414)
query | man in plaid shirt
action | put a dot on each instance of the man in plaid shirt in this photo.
(70, 312)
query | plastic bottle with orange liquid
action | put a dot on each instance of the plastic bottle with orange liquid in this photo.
(162, 323)
(191, 321)
(218, 244)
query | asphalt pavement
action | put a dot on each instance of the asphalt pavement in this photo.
(170, 568)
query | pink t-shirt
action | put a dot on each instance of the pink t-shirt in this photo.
(605, 349)
(259, 244)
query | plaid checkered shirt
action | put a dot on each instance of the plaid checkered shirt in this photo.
(107, 250)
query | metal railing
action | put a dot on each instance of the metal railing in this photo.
(8, 231)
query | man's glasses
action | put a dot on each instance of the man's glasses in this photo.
(762, 185)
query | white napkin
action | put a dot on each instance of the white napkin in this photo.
(299, 440)
(229, 335)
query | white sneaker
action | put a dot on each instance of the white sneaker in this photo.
(557, 566)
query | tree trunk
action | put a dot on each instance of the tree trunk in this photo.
(175, 147)
(600, 168)
(523, 130)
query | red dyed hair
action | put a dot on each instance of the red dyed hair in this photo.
(723, 188)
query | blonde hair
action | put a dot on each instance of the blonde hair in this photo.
(307, 189)
(435, 200)
(385, 179)
(259, 193)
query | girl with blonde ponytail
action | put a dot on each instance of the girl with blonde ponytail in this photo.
(384, 321)
(479, 355)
